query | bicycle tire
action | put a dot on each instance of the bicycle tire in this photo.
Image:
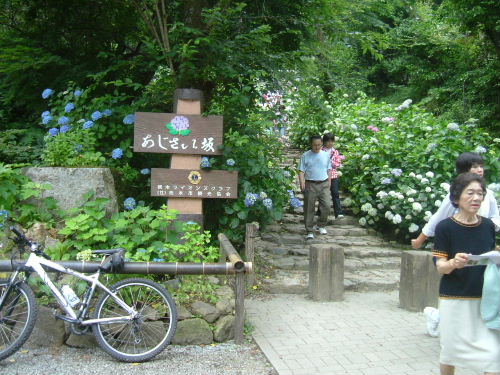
(146, 335)
(17, 318)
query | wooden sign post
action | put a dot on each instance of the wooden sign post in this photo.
(187, 135)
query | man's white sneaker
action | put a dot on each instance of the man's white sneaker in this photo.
(322, 231)
(432, 321)
(310, 236)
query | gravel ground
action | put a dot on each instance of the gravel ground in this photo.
(221, 359)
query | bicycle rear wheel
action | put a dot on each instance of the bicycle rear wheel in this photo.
(17, 317)
(146, 335)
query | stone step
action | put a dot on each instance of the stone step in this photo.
(297, 282)
(300, 262)
(270, 239)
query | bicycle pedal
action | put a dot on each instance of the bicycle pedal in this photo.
(66, 318)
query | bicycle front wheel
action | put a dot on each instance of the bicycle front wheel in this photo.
(17, 317)
(147, 334)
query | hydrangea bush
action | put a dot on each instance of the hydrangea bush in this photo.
(399, 159)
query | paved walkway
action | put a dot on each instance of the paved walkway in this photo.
(367, 333)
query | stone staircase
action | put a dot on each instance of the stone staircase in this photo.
(371, 263)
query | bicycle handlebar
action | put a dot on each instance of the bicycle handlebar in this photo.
(34, 247)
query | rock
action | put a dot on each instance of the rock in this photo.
(271, 237)
(213, 280)
(225, 292)
(81, 341)
(173, 284)
(48, 330)
(194, 331)
(67, 186)
(292, 239)
(273, 228)
(183, 313)
(279, 250)
(205, 310)
(225, 306)
(300, 251)
(224, 329)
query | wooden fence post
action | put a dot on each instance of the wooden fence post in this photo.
(250, 234)
(326, 273)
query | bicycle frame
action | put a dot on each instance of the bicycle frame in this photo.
(36, 262)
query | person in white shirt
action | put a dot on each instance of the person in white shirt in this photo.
(466, 162)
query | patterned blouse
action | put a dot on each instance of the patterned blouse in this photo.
(336, 160)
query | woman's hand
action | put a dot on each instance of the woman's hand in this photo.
(460, 260)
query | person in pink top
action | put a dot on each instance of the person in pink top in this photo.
(336, 159)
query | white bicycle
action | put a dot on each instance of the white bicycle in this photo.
(133, 320)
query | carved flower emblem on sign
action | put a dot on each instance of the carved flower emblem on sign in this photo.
(194, 177)
(178, 125)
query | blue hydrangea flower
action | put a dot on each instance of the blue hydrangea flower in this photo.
(129, 119)
(65, 129)
(268, 203)
(397, 172)
(45, 113)
(386, 181)
(291, 194)
(78, 148)
(88, 124)
(295, 202)
(107, 112)
(230, 162)
(4, 214)
(250, 199)
(63, 120)
(145, 171)
(117, 153)
(205, 162)
(129, 203)
(46, 93)
(53, 132)
(69, 107)
(480, 150)
(96, 115)
(77, 93)
(46, 119)
(140, 250)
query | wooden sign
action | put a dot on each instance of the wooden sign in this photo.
(186, 183)
(172, 133)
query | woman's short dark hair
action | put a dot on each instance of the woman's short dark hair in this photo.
(313, 137)
(328, 137)
(466, 160)
(461, 182)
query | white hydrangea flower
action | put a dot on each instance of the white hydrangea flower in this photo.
(433, 195)
(362, 221)
(366, 207)
(408, 217)
(411, 174)
(418, 176)
(453, 126)
(388, 214)
(424, 180)
(428, 128)
(359, 140)
(380, 206)
(347, 202)
(430, 174)
(413, 227)
(397, 219)
(416, 207)
(372, 212)
(381, 194)
(400, 196)
(365, 157)
(428, 189)
(437, 203)
(445, 186)
(392, 193)
(411, 200)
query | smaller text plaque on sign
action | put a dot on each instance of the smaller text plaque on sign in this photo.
(172, 133)
(185, 183)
